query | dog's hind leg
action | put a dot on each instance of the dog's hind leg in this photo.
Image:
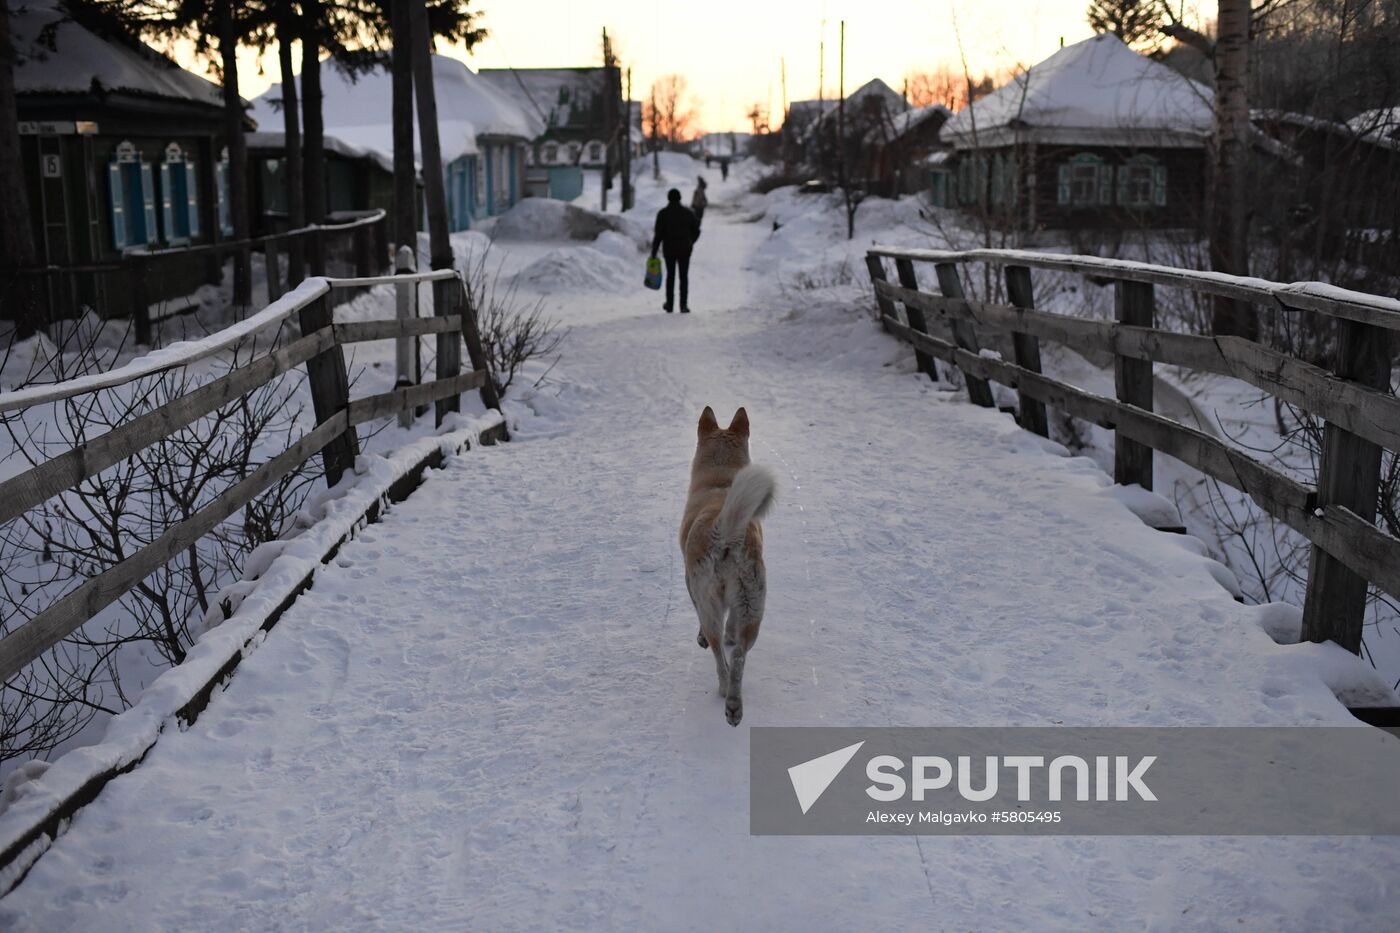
(740, 632)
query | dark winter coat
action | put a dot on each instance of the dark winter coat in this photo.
(677, 229)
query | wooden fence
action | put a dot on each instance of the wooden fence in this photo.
(1352, 396)
(347, 246)
(320, 348)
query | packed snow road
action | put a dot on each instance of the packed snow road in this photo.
(491, 712)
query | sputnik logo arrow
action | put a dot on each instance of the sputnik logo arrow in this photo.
(811, 778)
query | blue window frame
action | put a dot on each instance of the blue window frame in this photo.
(179, 187)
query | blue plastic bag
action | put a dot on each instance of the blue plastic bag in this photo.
(653, 276)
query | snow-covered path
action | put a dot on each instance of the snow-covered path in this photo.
(491, 713)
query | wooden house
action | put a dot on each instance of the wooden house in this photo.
(357, 180)
(1095, 136)
(896, 152)
(123, 150)
(483, 135)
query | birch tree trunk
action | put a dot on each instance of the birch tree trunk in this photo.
(1228, 208)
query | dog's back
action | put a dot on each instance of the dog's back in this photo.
(723, 546)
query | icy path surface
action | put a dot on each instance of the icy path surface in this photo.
(491, 713)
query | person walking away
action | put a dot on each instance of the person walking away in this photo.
(698, 201)
(677, 229)
(724, 169)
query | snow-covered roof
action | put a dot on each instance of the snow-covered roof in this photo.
(873, 90)
(1368, 127)
(84, 60)
(277, 141)
(909, 120)
(359, 110)
(1095, 92)
(556, 97)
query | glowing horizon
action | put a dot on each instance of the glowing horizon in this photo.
(728, 70)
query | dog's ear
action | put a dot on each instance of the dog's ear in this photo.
(708, 424)
(740, 424)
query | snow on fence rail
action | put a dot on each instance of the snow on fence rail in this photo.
(1361, 416)
(320, 349)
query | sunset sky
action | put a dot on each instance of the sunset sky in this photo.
(729, 50)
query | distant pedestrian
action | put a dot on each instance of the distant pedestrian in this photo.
(698, 201)
(724, 169)
(677, 229)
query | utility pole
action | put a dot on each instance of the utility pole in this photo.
(609, 127)
(655, 152)
(782, 69)
(841, 138)
(628, 195)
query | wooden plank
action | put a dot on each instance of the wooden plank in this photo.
(963, 334)
(1372, 413)
(910, 280)
(1353, 541)
(1026, 349)
(65, 616)
(1334, 608)
(1132, 378)
(330, 390)
(476, 352)
(1375, 310)
(408, 397)
(883, 306)
(36, 485)
(361, 331)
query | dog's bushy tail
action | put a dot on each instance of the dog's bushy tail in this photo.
(750, 496)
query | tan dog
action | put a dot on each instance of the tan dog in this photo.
(723, 547)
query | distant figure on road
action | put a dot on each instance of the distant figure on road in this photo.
(724, 169)
(698, 201)
(677, 229)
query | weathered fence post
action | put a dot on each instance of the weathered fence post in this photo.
(883, 305)
(381, 242)
(476, 352)
(1026, 349)
(963, 334)
(406, 372)
(1132, 462)
(140, 300)
(449, 343)
(1349, 476)
(272, 268)
(910, 280)
(330, 390)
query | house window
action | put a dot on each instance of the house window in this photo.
(1003, 179)
(500, 183)
(972, 179)
(595, 152)
(179, 199)
(1084, 181)
(551, 153)
(573, 150)
(1142, 182)
(131, 198)
(480, 160)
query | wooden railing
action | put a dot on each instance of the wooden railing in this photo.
(355, 246)
(320, 348)
(1352, 396)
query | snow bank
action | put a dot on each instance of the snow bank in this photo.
(547, 219)
(579, 268)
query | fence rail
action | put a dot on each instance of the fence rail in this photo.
(320, 349)
(1353, 398)
(347, 244)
